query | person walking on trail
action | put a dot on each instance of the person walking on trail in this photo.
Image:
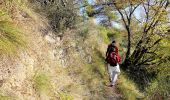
(113, 60)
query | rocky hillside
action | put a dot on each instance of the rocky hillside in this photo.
(65, 66)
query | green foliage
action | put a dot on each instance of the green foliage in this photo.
(159, 88)
(10, 37)
(61, 15)
(109, 13)
(103, 32)
(128, 88)
(113, 34)
(88, 8)
(90, 11)
(108, 34)
(42, 82)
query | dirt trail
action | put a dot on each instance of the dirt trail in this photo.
(112, 93)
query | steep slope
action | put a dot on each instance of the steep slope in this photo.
(63, 67)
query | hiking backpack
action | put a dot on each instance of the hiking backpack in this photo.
(113, 58)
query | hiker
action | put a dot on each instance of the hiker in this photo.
(113, 61)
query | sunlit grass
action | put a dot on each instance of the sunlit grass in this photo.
(42, 82)
(11, 39)
(128, 88)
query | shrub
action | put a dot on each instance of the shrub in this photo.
(61, 15)
(159, 89)
(84, 32)
(103, 32)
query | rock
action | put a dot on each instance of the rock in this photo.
(61, 52)
(49, 39)
(24, 14)
(89, 59)
(58, 39)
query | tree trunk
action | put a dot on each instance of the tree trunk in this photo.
(129, 43)
(127, 60)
